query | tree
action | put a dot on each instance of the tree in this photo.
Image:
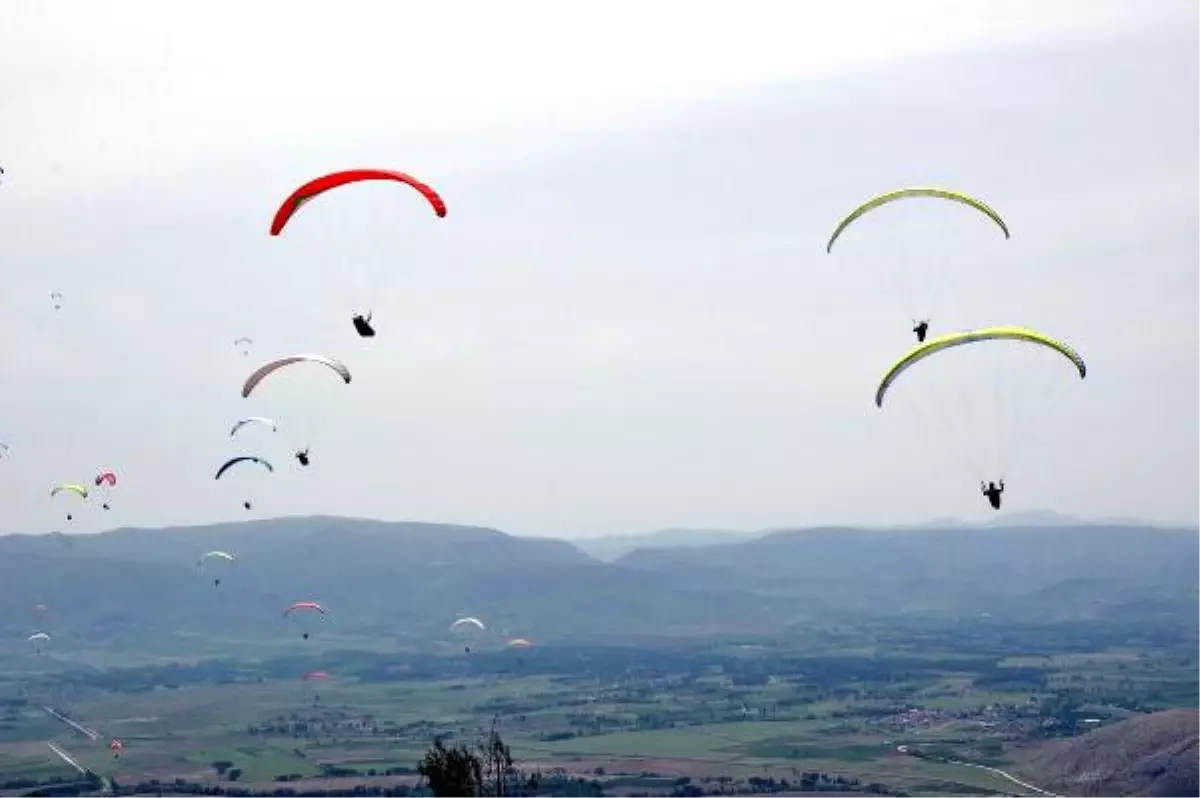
(498, 770)
(451, 771)
(484, 769)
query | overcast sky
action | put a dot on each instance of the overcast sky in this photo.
(628, 319)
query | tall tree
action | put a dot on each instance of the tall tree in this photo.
(451, 771)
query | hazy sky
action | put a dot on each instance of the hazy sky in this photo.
(627, 319)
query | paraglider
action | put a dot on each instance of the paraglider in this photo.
(216, 556)
(518, 642)
(244, 344)
(306, 192)
(117, 748)
(306, 606)
(243, 459)
(302, 456)
(106, 480)
(262, 372)
(56, 299)
(468, 628)
(313, 677)
(920, 292)
(69, 487)
(993, 493)
(972, 400)
(38, 638)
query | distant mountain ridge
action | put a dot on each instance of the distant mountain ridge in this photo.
(386, 583)
(610, 547)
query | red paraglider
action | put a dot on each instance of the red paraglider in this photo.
(331, 181)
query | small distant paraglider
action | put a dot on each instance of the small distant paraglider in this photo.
(216, 557)
(70, 487)
(308, 606)
(469, 629)
(117, 747)
(56, 299)
(106, 480)
(243, 459)
(39, 639)
(244, 345)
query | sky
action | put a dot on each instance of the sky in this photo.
(628, 319)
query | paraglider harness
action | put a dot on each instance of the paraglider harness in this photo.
(362, 325)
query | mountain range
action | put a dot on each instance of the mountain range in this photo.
(394, 583)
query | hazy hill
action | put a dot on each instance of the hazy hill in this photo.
(1043, 573)
(609, 547)
(1152, 754)
(387, 580)
(386, 583)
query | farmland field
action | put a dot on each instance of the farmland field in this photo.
(642, 720)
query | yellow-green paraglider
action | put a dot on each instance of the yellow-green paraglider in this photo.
(973, 401)
(70, 488)
(915, 255)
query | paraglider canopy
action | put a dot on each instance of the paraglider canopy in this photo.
(243, 459)
(325, 183)
(270, 368)
(921, 191)
(266, 422)
(944, 342)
